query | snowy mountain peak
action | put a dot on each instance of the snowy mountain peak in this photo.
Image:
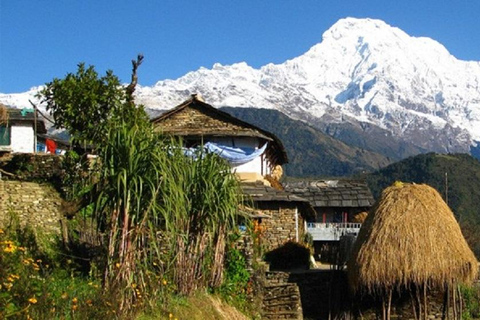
(364, 71)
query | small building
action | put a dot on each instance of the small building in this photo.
(255, 155)
(340, 208)
(19, 129)
(280, 215)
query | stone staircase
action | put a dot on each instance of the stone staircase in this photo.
(281, 299)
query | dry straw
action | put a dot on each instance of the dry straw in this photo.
(3, 114)
(410, 238)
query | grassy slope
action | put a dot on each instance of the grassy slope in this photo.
(197, 307)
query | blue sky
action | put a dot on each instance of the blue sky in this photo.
(40, 40)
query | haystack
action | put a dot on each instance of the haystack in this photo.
(3, 114)
(410, 237)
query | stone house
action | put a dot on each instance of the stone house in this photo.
(340, 208)
(19, 129)
(280, 216)
(255, 155)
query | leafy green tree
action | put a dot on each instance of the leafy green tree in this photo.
(86, 104)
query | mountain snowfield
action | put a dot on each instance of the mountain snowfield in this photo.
(363, 72)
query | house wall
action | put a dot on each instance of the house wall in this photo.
(280, 228)
(22, 138)
(207, 126)
(259, 165)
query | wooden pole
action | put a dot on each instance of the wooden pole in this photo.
(389, 305)
(425, 302)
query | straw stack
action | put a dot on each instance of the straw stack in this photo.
(410, 237)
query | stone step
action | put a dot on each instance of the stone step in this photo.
(275, 297)
(293, 315)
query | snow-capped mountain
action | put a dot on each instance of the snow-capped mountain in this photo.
(364, 74)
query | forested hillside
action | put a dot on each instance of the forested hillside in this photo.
(311, 152)
(455, 176)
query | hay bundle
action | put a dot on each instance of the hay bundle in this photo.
(360, 217)
(410, 238)
(3, 114)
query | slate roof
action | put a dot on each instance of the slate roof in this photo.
(258, 192)
(333, 193)
(16, 116)
(242, 128)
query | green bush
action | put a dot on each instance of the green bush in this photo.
(235, 286)
(471, 300)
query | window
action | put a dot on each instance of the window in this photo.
(4, 136)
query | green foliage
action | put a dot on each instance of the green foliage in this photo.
(471, 302)
(125, 195)
(86, 104)
(200, 201)
(31, 287)
(75, 178)
(236, 285)
(460, 172)
(162, 215)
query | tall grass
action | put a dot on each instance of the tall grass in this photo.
(200, 204)
(161, 213)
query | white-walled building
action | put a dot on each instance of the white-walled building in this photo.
(18, 131)
(253, 153)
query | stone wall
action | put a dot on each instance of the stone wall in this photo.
(36, 205)
(280, 228)
(201, 121)
(32, 167)
(281, 299)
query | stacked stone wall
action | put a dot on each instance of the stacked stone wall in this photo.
(280, 227)
(34, 204)
(32, 167)
(281, 299)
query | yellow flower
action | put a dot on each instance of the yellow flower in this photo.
(9, 248)
(134, 285)
(170, 315)
(32, 300)
(64, 295)
(75, 300)
(117, 265)
(164, 282)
